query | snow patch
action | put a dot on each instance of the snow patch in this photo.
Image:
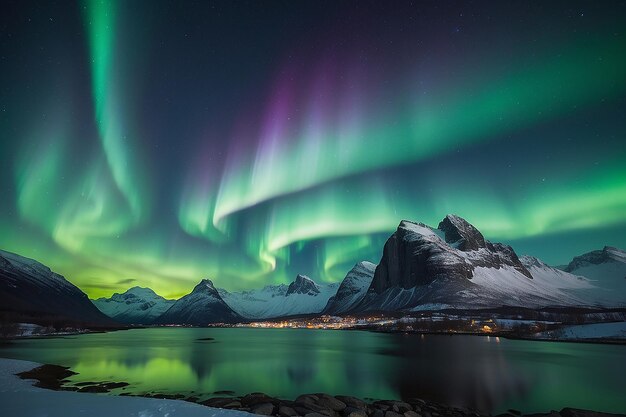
(588, 331)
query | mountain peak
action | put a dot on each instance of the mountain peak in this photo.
(365, 265)
(422, 263)
(205, 286)
(136, 305)
(615, 253)
(461, 234)
(597, 257)
(303, 285)
(418, 228)
(203, 305)
(140, 291)
(136, 292)
(530, 262)
(352, 289)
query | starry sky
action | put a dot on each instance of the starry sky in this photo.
(157, 143)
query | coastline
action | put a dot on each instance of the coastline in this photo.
(22, 380)
(495, 334)
(20, 398)
(580, 325)
(508, 336)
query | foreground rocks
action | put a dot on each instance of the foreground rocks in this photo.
(324, 405)
(306, 405)
(49, 376)
(54, 377)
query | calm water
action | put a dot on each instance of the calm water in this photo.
(488, 373)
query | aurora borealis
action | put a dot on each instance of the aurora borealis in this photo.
(157, 143)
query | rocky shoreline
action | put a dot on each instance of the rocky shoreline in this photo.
(54, 377)
(325, 405)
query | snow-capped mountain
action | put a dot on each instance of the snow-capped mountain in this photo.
(137, 305)
(202, 306)
(606, 269)
(302, 296)
(29, 288)
(453, 266)
(608, 263)
(352, 289)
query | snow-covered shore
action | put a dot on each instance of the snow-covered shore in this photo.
(19, 398)
(597, 331)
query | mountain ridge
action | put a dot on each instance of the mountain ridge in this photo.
(301, 296)
(136, 305)
(421, 267)
(30, 288)
(352, 288)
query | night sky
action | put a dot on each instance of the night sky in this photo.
(156, 143)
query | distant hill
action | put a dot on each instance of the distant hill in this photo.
(606, 269)
(301, 296)
(137, 305)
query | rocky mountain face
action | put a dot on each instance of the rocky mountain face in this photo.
(303, 285)
(417, 254)
(135, 306)
(454, 266)
(202, 306)
(29, 289)
(352, 289)
(302, 296)
(461, 234)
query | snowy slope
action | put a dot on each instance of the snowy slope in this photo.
(352, 289)
(549, 276)
(202, 306)
(615, 330)
(30, 288)
(508, 287)
(135, 306)
(302, 296)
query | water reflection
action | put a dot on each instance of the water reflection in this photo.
(487, 373)
(462, 371)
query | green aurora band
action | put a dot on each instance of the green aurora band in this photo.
(318, 190)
